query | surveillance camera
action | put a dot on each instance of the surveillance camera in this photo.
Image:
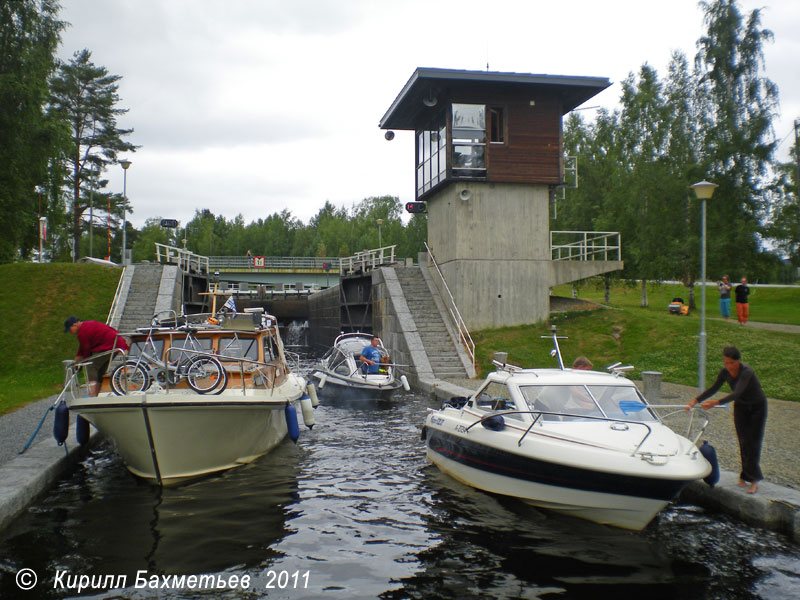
(389, 135)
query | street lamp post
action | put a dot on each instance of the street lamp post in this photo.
(703, 190)
(125, 164)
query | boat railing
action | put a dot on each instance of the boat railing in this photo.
(257, 367)
(74, 370)
(463, 333)
(538, 414)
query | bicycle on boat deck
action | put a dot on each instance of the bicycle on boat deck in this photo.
(202, 372)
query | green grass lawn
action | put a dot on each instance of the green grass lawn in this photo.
(653, 340)
(35, 299)
(767, 304)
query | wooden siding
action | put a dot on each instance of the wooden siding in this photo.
(532, 152)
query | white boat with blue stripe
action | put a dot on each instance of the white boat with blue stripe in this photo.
(585, 443)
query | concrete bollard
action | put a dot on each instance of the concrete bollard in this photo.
(652, 386)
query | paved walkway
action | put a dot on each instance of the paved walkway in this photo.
(770, 326)
(17, 427)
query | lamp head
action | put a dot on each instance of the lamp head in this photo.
(704, 189)
(125, 164)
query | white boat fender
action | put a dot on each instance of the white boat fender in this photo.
(308, 411)
(710, 454)
(494, 423)
(291, 422)
(61, 423)
(312, 393)
(404, 381)
(82, 430)
(323, 379)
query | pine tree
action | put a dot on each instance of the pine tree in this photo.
(85, 96)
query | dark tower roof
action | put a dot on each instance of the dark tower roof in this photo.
(427, 89)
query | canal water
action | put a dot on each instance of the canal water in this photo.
(353, 511)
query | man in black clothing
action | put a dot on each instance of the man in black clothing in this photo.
(749, 412)
(742, 307)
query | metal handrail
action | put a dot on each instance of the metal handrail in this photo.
(589, 245)
(182, 257)
(115, 303)
(290, 263)
(367, 259)
(463, 333)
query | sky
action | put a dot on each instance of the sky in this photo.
(253, 107)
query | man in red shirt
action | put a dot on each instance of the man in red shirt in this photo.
(95, 339)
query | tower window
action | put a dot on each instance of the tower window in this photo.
(496, 125)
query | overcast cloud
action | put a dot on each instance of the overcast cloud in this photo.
(255, 106)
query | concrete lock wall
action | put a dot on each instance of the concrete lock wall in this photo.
(492, 243)
(393, 323)
(324, 317)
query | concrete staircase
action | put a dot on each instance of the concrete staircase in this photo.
(146, 289)
(438, 344)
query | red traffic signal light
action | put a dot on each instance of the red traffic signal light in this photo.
(416, 207)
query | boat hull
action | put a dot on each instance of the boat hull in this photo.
(623, 498)
(171, 438)
(371, 386)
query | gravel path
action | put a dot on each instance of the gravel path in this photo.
(17, 427)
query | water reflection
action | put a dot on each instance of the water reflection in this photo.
(355, 505)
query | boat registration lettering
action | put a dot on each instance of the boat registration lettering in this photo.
(437, 420)
(461, 429)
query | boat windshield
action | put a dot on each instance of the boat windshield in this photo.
(571, 402)
(354, 346)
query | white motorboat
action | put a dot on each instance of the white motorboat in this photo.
(584, 443)
(199, 397)
(341, 369)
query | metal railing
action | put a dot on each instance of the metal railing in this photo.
(188, 261)
(463, 333)
(585, 245)
(112, 312)
(275, 263)
(367, 259)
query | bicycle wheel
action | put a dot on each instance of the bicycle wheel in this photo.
(223, 384)
(205, 374)
(129, 377)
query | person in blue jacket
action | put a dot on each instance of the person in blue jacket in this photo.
(371, 357)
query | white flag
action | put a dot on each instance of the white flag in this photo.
(229, 303)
